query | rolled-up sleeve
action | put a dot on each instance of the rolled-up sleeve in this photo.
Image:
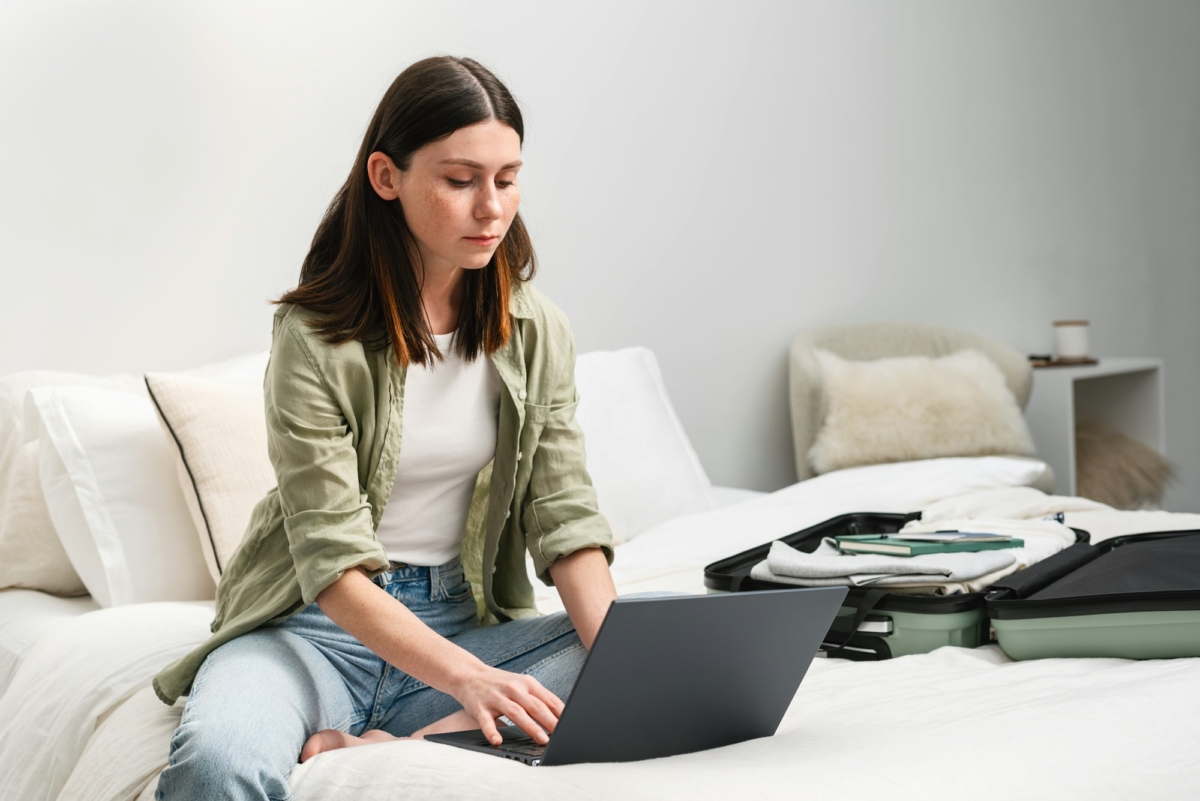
(561, 514)
(327, 516)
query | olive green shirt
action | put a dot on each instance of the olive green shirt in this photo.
(333, 435)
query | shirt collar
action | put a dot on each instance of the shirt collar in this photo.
(518, 302)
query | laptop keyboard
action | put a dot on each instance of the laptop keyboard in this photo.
(525, 748)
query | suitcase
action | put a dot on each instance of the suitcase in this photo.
(1135, 597)
(873, 623)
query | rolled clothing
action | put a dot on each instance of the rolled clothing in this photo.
(829, 567)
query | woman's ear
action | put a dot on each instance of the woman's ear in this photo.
(383, 175)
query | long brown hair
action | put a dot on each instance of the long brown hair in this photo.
(359, 274)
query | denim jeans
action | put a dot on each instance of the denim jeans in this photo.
(259, 697)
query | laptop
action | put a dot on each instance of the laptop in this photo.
(676, 674)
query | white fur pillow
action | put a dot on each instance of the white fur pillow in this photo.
(915, 407)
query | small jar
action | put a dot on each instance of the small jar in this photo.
(1070, 340)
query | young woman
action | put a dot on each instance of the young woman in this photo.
(381, 591)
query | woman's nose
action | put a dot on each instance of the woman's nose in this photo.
(488, 204)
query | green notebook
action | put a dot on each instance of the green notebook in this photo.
(894, 546)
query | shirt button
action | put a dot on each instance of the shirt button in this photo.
(521, 394)
(519, 454)
(508, 514)
(493, 570)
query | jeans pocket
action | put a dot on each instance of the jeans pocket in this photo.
(455, 587)
(459, 593)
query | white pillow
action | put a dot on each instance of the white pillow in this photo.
(639, 457)
(31, 555)
(107, 473)
(915, 407)
(216, 421)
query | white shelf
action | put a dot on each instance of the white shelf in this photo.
(1124, 395)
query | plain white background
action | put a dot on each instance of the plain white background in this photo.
(704, 180)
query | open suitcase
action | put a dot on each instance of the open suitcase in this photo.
(873, 623)
(1136, 597)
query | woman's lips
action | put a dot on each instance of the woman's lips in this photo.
(482, 240)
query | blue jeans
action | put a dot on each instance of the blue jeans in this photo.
(259, 697)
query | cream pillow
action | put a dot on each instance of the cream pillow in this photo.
(31, 555)
(215, 417)
(915, 407)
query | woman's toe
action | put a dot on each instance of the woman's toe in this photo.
(324, 740)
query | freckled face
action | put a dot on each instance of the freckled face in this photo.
(460, 195)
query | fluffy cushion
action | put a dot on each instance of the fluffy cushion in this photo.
(915, 407)
(107, 474)
(31, 555)
(638, 455)
(216, 419)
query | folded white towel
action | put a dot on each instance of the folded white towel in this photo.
(828, 567)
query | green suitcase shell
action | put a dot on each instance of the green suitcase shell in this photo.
(1133, 597)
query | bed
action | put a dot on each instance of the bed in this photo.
(80, 721)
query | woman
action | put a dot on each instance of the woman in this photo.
(348, 613)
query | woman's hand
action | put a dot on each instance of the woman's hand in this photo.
(392, 631)
(486, 693)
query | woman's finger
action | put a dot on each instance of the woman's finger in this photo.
(487, 724)
(525, 723)
(552, 701)
(539, 712)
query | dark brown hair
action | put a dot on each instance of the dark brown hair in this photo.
(359, 273)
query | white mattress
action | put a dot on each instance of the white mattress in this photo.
(25, 615)
(953, 723)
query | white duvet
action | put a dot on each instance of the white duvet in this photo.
(80, 722)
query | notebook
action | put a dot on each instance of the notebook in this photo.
(920, 544)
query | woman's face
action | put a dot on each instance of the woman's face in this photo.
(459, 195)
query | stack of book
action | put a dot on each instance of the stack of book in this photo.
(900, 544)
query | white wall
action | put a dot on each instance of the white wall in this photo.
(705, 184)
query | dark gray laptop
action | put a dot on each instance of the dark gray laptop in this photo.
(676, 674)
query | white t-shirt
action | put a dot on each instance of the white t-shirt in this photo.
(450, 415)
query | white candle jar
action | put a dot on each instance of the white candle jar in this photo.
(1070, 339)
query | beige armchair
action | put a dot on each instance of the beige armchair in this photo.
(880, 340)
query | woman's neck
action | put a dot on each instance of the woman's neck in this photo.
(442, 298)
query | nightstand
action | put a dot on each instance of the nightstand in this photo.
(1124, 395)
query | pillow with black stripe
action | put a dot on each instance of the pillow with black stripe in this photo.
(215, 417)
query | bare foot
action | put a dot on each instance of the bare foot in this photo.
(332, 739)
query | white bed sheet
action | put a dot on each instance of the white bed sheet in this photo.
(27, 614)
(956, 721)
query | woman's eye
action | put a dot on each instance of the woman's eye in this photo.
(464, 184)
